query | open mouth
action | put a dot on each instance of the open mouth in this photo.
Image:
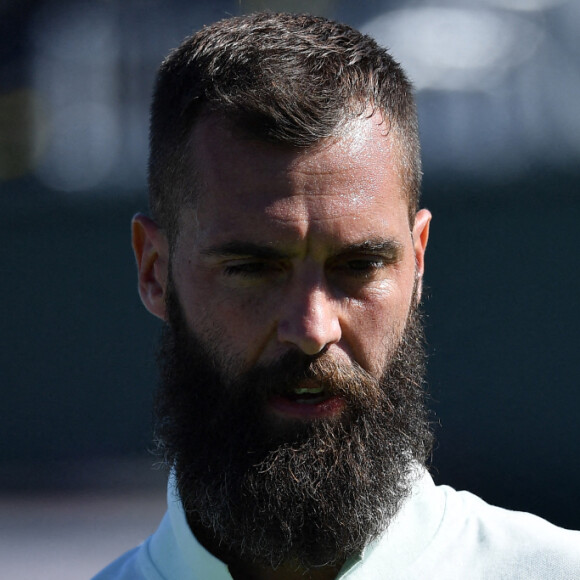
(307, 401)
(307, 395)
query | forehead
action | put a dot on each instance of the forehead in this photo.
(242, 180)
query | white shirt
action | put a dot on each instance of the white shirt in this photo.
(439, 534)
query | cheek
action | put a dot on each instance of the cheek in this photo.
(373, 329)
(237, 325)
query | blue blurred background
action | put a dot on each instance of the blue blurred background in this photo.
(498, 90)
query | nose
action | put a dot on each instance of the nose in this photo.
(309, 319)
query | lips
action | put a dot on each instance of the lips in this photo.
(307, 401)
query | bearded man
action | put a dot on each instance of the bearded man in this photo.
(285, 254)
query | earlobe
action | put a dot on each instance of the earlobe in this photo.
(420, 239)
(152, 256)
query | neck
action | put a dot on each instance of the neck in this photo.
(248, 570)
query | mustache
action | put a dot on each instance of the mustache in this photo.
(347, 380)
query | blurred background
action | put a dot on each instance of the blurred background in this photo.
(498, 91)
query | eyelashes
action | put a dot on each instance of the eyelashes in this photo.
(358, 268)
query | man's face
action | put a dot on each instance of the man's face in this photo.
(291, 404)
(305, 251)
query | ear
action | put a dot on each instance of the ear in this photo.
(152, 254)
(420, 238)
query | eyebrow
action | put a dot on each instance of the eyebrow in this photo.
(379, 246)
(267, 251)
(239, 248)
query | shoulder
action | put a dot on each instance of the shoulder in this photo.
(123, 567)
(443, 534)
(133, 565)
(504, 543)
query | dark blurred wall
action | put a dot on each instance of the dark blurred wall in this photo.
(503, 323)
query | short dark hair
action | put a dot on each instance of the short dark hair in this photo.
(285, 78)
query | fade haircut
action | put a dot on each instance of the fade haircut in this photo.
(289, 79)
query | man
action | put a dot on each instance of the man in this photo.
(286, 255)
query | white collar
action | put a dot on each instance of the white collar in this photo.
(176, 553)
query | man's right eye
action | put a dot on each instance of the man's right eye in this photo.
(254, 269)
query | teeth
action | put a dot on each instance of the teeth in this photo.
(311, 391)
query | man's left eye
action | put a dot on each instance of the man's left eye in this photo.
(363, 267)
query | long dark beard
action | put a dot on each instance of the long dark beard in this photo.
(314, 493)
